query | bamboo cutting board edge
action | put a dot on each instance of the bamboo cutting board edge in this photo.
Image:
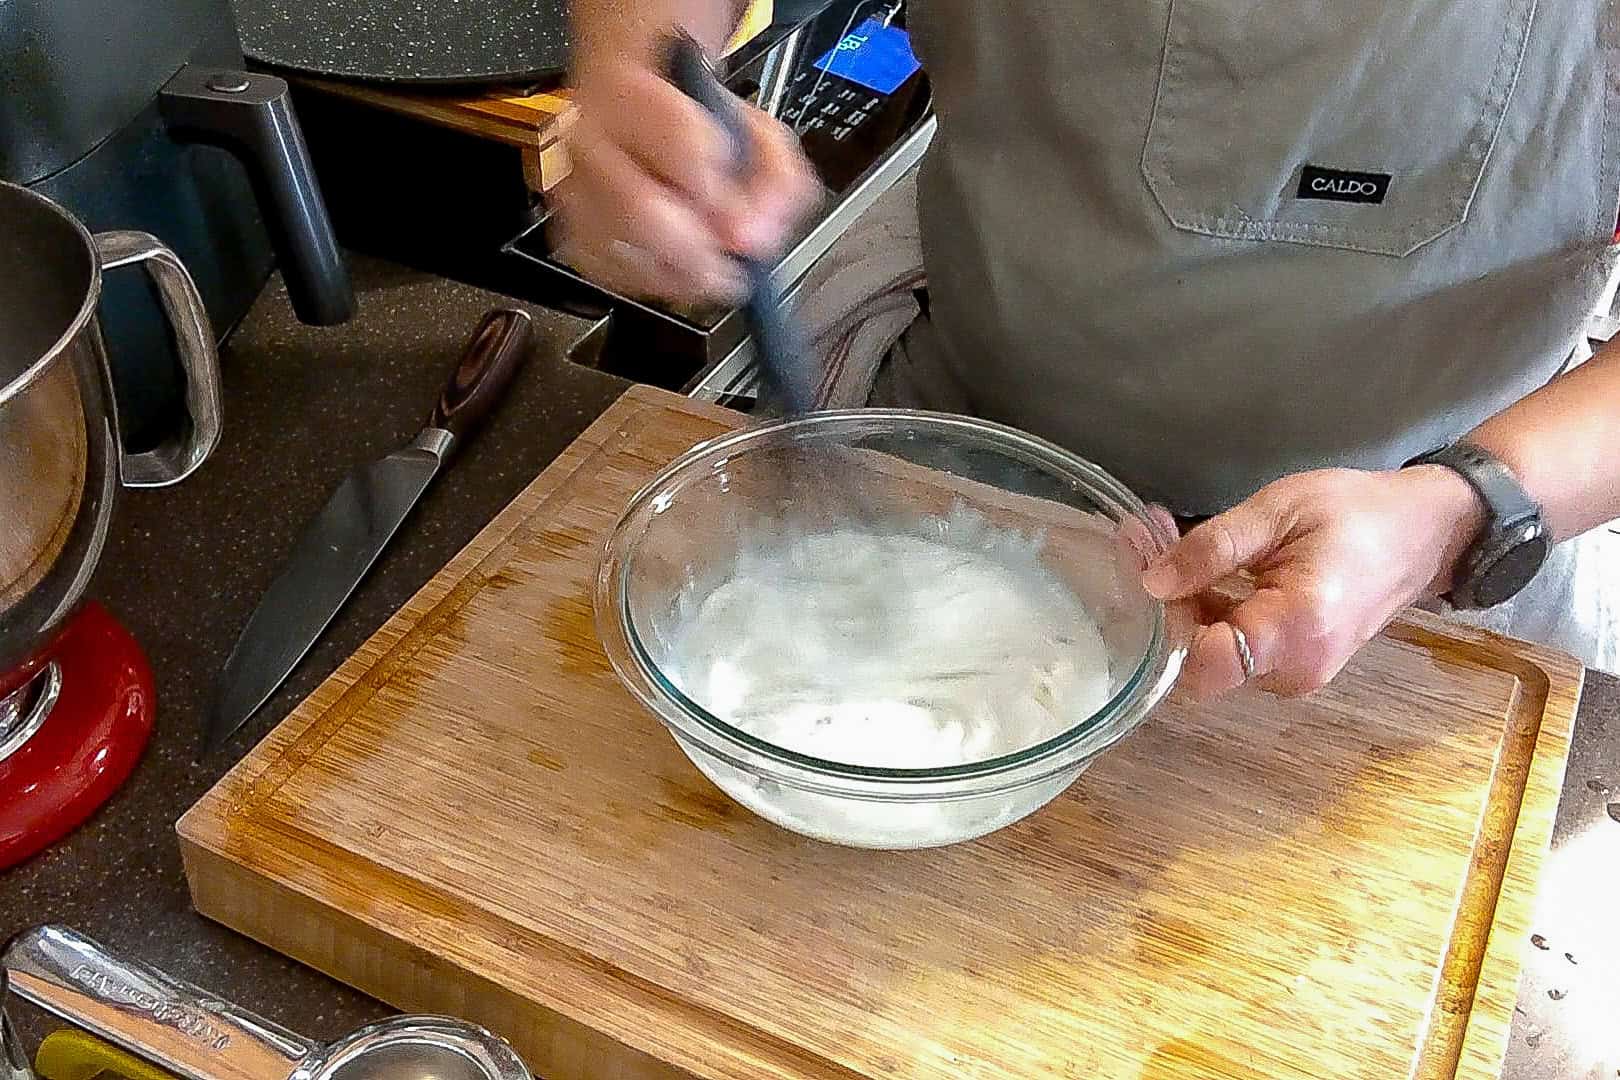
(221, 828)
(1481, 972)
(625, 1044)
(1555, 681)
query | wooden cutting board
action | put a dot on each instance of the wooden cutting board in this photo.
(473, 817)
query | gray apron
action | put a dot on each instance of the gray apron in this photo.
(1207, 243)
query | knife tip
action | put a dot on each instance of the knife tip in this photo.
(216, 732)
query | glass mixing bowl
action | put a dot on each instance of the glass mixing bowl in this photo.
(891, 472)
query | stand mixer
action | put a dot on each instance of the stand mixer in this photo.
(76, 695)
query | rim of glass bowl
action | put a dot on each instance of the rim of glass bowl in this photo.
(644, 679)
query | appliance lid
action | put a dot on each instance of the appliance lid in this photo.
(409, 41)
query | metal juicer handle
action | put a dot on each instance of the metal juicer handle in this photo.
(186, 1030)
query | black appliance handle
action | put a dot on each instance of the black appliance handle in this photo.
(251, 115)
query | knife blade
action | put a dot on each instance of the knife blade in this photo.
(342, 543)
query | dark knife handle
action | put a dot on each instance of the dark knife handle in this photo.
(497, 349)
(775, 335)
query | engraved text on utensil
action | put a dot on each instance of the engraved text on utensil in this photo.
(168, 1013)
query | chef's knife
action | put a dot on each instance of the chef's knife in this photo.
(783, 359)
(340, 545)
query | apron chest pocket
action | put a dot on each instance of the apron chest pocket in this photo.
(1354, 125)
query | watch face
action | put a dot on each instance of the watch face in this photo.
(1502, 579)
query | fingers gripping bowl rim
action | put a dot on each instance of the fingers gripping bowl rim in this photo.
(710, 491)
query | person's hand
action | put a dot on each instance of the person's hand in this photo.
(1334, 556)
(653, 207)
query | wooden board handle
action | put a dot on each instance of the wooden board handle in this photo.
(186, 1030)
(492, 357)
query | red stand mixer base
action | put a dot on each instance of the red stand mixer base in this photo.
(91, 736)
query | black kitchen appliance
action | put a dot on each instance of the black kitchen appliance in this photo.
(136, 114)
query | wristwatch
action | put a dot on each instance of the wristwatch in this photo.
(1513, 544)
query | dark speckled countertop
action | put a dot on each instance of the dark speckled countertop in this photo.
(186, 564)
(304, 405)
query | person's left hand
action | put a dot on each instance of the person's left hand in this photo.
(1334, 556)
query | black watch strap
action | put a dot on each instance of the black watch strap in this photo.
(1513, 543)
(1506, 501)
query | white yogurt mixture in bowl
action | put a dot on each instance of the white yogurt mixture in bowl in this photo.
(886, 628)
(890, 650)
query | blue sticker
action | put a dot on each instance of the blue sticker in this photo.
(877, 57)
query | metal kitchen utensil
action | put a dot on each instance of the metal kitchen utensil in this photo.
(784, 361)
(200, 1036)
(13, 1059)
(341, 544)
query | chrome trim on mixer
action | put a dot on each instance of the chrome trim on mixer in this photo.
(18, 719)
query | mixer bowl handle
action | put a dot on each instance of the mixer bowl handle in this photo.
(180, 456)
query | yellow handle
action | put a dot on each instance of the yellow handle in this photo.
(77, 1055)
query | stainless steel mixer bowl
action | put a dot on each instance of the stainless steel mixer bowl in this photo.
(60, 457)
